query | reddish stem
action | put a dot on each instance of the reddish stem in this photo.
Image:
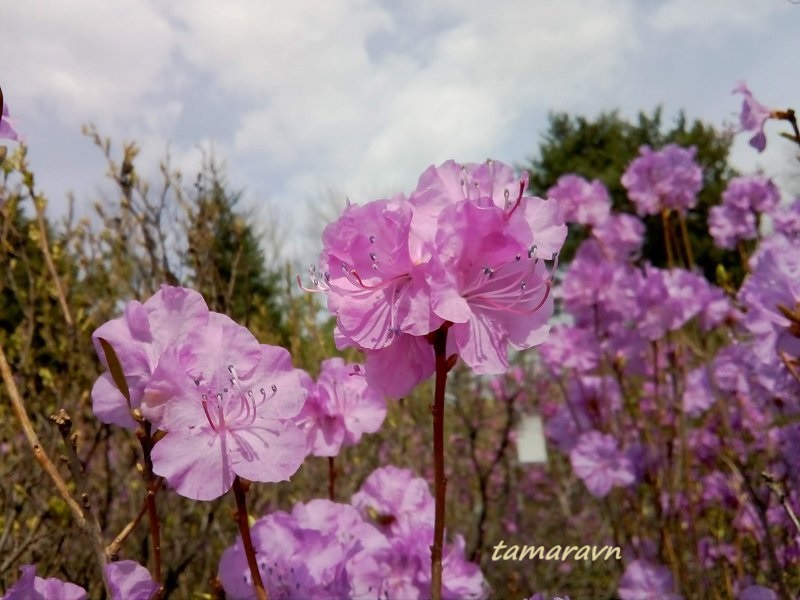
(332, 473)
(440, 481)
(247, 541)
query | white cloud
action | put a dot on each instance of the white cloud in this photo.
(718, 16)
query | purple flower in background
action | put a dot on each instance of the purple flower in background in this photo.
(698, 396)
(620, 236)
(643, 580)
(757, 592)
(729, 225)
(340, 408)
(31, 587)
(128, 580)
(771, 294)
(139, 337)
(7, 131)
(225, 402)
(664, 179)
(786, 219)
(753, 116)
(581, 201)
(597, 460)
(752, 192)
(393, 492)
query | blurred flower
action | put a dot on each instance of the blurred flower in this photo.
(31, 587)
(753, 116)
(581, 201)
(224, 401)
(663, 179)
(698, 396)
(597, 460)
(7, 131)
(620, 236)
(340, 407)
(729, 225)
(771, 294)
(646, 581)
(128, 580)
(758, 592)
(139, 337)
(786, 219)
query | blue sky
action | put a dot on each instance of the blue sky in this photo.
(313, 100)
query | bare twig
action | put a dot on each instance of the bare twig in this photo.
(89, 527)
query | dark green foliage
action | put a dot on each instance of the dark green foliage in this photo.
(603, 147)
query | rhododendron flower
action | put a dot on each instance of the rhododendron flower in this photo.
(753, 116)
(757, 592)
(340, 407)
(305, 554)
(581, 201)
(395, 370)
(752, 192)
(391, 492)
(771, 294)
(786, 219)
(646, 581)
(598, 461)
(373, 287)
(697, 395)
(31, 587)
(663, 179)
(139, 337)
(225, 402)
(488, 281)
(7, 131)
(620, 236)
(128, 580)
(729, 225)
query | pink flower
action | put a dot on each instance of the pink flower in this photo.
(31, 587)
(395, 370)
(488, 280)
(128, 580)
(645, 581)
(581, 201)
(753, 116)
(7, 131)
(139, 337)
(340, 408)
(758, 592)
(663, 179)
(597, 460)
(373, 287)
(225, 402)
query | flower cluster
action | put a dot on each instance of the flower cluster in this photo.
(736, 218)
(375, 547)
(665, 179)
(464, 251)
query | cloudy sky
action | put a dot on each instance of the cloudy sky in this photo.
(313, 98)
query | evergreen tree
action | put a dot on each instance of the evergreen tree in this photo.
(602, 148)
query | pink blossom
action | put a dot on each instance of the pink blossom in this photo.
(373, 287)
(758, 592)
(597, 460)
(128, 580)
(663, 179)
(753, 116)
(581, 201)
(489, 282)
(340, 408)
(7, 130)
(643, 580)
(225, 402)
(31, 587)
(395, 370)
(139, 337)
(620, 236)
